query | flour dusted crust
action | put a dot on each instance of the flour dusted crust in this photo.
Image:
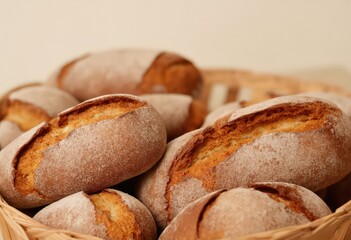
(133, 71)
(90, 157)
(8, 132)
(300, 140)
(180, 112)
(75, 212)
(27, 106)
(241, 211)
(109, 214)
(343, 102)
(52, 100)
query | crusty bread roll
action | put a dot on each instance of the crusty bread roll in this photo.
(294, 139)
(29, 105)
(222, 111)
(180, 112)
(128, 71)
(110, 214)
(89, 147)
(242, 211)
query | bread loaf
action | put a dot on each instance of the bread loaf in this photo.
(89, 147)
(293, 139)
(109, 214)
(29, 105)
(242, 211)
(181, 113)
(128, 71)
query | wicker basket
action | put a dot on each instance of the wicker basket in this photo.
(232, 85)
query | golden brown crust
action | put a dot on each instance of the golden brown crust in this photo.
(25, 115)
(119, 220)
(170, 73)
(292, 139)
(29, 105)
(109, 214)
(197, 113)
(89, 147)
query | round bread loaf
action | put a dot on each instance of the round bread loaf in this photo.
(29, 105)
(181, 113)
(89, 147)
(242, 211)
(293, 139)
(110, 214)
(128, 71)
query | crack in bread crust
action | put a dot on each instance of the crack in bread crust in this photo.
(170, 73)
(25, 115)
(112, 212)
(215, 144)
(30, 156)
(65, 70)
(288, 196)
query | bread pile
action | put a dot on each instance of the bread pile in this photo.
(133, 120)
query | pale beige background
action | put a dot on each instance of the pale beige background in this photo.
(311, 38)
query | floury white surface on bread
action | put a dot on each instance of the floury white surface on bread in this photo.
(26, 106)
(180, 112)
(295, 139)
(94, 145)
(109, 214)
(132, 71)
(241, 211)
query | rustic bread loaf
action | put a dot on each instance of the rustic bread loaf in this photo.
(242, 211)
(89, 147)
(181, 113)
(27, 106)
(109, 214)
(293, 139)
(128, 71)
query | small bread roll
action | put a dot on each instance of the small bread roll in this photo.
(181, 113)
(89, 147)
(128, 71)
(295, 139)
(242, 211)
(27, 106)
(110, 214)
